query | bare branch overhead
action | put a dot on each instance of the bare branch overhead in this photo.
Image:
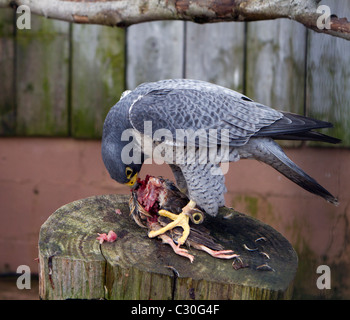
(123, 13)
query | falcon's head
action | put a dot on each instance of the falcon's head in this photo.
(115, 151)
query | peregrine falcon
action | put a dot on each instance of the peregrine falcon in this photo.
(197, 128)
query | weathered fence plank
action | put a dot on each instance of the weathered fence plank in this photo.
(61, 92)
(215, 53)
(7, 70)
(155, 51)
(328, 78)
(276, 64)
(42, 75)
(97, 76)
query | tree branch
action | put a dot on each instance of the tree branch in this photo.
(124, 13)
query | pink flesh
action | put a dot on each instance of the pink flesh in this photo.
(148, 192)
(110, 237)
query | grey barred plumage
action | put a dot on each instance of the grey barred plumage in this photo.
(211, 113)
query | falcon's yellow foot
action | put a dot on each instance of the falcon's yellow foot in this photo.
(179, 220)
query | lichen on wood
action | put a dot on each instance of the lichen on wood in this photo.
(74, 265)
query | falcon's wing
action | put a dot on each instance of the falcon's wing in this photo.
(195, 109)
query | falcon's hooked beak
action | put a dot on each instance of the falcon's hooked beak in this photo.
(132, 181)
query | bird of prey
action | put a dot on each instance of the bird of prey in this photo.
(154, 200)
(196, 127)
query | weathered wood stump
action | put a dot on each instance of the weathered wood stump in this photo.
(73, 264)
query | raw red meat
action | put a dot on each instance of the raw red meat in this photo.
(148, 191)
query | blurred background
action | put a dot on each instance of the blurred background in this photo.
(58, 80)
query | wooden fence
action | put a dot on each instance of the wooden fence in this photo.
(60, 79)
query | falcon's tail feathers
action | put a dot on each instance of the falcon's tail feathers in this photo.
(279, 161)
(308, 136)
(297, 127)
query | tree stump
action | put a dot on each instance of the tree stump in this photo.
(74, 265)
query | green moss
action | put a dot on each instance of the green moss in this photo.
(6, 22)
(42, 70)
(252, 205)
(112, 57)
(255, 206)
(98, 77)
(29, 87)
(83, 124)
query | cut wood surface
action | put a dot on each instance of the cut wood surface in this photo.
(73, 264)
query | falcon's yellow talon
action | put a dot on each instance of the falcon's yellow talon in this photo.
(185, 233)
(168, 214)
(179, 220)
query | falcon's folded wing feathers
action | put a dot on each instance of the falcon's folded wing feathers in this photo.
(199, 110)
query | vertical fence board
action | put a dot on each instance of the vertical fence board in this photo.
(42, 75)
(97, 76)
(154, 52)
(215, 53)
(7, 64)
(276, 64)
(328, 78)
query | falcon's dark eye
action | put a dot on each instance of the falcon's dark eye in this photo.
(128, 172)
